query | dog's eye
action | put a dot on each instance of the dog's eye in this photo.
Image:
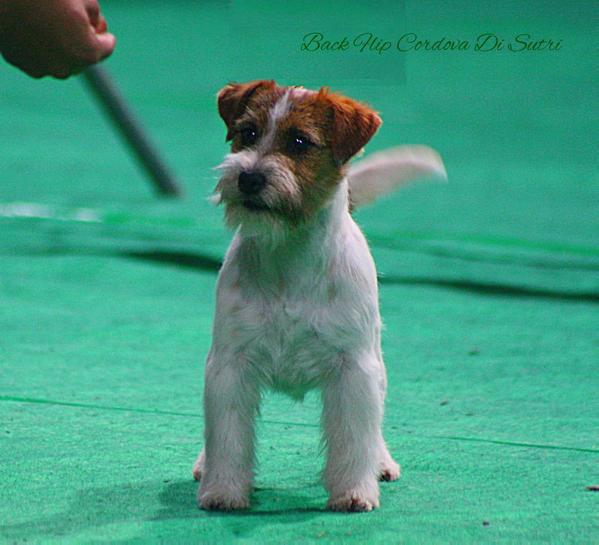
(249, 136)
(298, 143)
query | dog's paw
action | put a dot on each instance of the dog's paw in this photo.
(389, 471)
(198, 467)
(222, 499)
(353, 501)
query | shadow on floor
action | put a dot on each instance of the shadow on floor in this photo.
(493, 289)
(185, 260)
(205, 263)
(137, 502)
(265, 501)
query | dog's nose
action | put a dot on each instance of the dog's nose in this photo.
(251, 182)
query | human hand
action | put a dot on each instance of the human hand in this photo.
(56, 38)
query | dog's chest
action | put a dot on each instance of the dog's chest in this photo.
(294, 319)
(291, 332)
(295, 342)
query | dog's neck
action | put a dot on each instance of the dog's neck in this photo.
(295, 255)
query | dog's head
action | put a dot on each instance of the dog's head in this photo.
(289, 148)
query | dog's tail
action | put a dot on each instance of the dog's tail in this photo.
(384, 171)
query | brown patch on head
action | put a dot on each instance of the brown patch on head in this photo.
(353, 124)
(255, 116)
(313, 166)
(337, 126)
(300, 141)
(234, 97)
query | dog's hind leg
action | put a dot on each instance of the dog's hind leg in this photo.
(389, 469)
(198, 466)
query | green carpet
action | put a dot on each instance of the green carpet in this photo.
(489, 293)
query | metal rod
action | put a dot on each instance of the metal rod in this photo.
(113, 103)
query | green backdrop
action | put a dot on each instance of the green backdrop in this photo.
(489, 291)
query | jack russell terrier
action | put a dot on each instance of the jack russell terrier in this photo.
(297, 295)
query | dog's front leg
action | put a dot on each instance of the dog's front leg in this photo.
(352, 413)
(231, 400)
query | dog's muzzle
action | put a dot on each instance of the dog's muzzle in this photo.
(250, 183)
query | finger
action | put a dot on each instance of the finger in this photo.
(93, 48)
(105, 44)
(64, 70)
(101, 27)
(63, 73)
(93, 12)
(25, 63)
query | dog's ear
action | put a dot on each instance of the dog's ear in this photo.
(233, 98)
(353, 125)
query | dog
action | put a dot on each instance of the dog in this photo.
(297, 295)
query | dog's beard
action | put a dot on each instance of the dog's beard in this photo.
(271, 212)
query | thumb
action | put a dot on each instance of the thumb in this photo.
(105, 44)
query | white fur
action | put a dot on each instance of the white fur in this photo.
(297, 308)
(278, 112)
(297, 311)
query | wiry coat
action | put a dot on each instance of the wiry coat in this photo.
(297, 296)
